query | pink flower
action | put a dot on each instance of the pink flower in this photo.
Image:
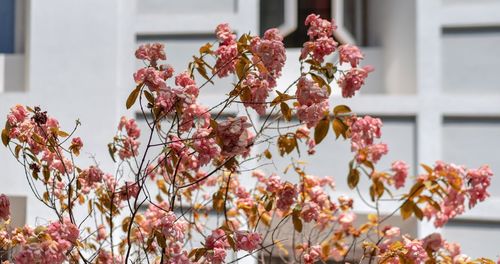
(320, 34)
(217, 242)
(453, 248)
(311, 115)
(248, 241)
(197, 111)
(319, 27)
(206, 146)
(101, 233)
(76, 145)
(273, 183)
(224, 34)
(227, 51)
(151, 77)
(392, 232)
(310, 211)
(319, 48)
(130, 148)
(308, 92)
(269, 51)
(4, 207)
(235, 137)
(259, 91)
(416, 251)
(346, 220)
(350, 54)
(433, 242)
(286, 196)
(374, 152)
(311, 254)
(311, 144)
(129, 190)
(479, 181)
(17, 115)
(151, 52)
(89, 178)
(353, 80)
(165, 100)
(451, 206)
(313, 101)
(400, 169)
(363, 131)
(130, 126)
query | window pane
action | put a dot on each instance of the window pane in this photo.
(7, 26)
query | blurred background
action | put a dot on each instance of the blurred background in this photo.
(436, 85)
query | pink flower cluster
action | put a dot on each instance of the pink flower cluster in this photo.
(90, 178)
(320, 42)
(415, 250)
(352, 81)
(217, 245)
(364, 130)
(400, 169)
(151, 52)
(248, 241)
(76, 145)
(235, 136)
(129, 144)
(313, 101)
(4, 207)
(311, 253)
(37, 132)
(206, 146)
(259, 91)
(418, 251)
(159, 220)
(350, 54)
(479, 180)
(227, 52)
(464, 183)
(47, 245)
(270, 52)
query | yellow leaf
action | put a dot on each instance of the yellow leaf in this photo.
(268, 154)
(341, 109)
(339, 128)
(133, 96)
(286, 111)
(353, 178)
(206, 48)
(297, 223)
(407, 209)
(321, 130)
(5, 137)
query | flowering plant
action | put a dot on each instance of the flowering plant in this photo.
(160, 204)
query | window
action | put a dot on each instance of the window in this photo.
(12, 26)
(352, 17)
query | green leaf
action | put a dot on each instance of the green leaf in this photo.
(321, 130)
(133, 96)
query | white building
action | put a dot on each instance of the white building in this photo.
(436, 85)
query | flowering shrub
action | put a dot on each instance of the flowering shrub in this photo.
(157, 206)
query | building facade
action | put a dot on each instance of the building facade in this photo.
(436, 84)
